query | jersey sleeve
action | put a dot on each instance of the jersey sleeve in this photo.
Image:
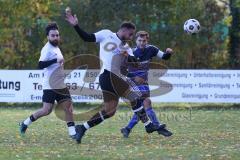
(154, 51)
(101, 35)
(84, 35)
(43, 56)
(45, 64)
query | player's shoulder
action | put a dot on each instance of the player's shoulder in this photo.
(150, 46)
(106, 31)
(46, 48)
(152, 50)
(103, 34)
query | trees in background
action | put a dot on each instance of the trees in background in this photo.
(22, 24)
(234, 45)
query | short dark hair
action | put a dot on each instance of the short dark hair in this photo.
(142, 34)
(128, 25)
(51, 26)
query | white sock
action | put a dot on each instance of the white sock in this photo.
(147, 123)
(86, 125)
(27, 121)
(71, 130)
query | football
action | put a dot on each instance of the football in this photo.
(68, 11)
(191, 26)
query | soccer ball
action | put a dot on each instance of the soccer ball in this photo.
(191, 26)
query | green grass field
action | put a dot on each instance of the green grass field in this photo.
(201, 134)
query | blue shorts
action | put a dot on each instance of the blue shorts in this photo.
(144, 89)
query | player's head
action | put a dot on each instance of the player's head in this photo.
(52, 33)
(142, 38)
(127, 30)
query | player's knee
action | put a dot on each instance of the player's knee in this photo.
(68, 108)
(110, 113)
(110, 108)
(147, 103)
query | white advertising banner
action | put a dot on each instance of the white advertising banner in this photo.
(198, 86)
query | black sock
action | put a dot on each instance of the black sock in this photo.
(97, 118)
(69, 124)
(32, 118)
(142, 115)
(136, 104)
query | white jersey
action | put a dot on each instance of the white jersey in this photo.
(111, 48)
(53, 74)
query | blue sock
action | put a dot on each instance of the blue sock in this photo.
(134, 120)
(152, 116)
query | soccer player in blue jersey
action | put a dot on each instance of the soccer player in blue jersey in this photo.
(144, 52)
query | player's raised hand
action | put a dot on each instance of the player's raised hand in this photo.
(169, 50)
(70, 18)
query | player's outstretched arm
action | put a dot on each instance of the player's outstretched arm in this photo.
(73, 20)
(168, 53)
(165, 55)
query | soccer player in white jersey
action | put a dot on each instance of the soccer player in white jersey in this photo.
(113, 51)
(51, 60)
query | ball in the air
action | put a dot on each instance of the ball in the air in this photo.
(192, 26)
(68, 11)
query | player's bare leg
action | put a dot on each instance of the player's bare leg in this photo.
(109, 109)
(44, 111)
(67, 107)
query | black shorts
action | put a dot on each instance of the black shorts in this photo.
(112, 86)
(60, 95)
